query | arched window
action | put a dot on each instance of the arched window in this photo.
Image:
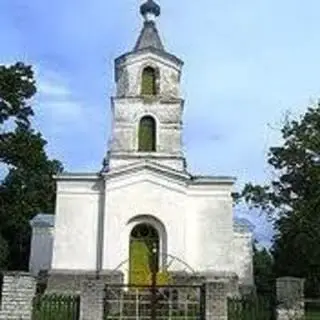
(147, 134)
(148, 84)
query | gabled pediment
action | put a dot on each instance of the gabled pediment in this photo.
(147, 166)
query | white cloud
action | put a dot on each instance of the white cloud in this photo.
(52, 89)
(56, 105)
(64, 111)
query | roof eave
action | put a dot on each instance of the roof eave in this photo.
(164, 54)
(213, 180)
(146, 165)
(77, 176)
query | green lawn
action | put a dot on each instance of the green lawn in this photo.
(313, 315)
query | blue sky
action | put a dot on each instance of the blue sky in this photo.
(246, 64)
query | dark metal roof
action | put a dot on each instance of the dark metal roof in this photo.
(243, 225)
(149, 37)
(44, 220)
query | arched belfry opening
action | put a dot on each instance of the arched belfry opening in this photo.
(147, 134)
(143, 253)
(149, 81)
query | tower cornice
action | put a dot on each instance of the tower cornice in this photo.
(164, 54)
(158, 99)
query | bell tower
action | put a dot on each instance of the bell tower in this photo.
(147, 108)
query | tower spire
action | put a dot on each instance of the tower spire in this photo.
(149, 36)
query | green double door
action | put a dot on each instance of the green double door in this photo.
(143, 254)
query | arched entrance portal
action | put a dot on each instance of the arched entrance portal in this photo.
(143, 254)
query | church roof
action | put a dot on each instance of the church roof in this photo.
(147, 164)
(77, 176)
(212, 179)
(165, 170)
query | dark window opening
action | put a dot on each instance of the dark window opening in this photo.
(147, 134)
(149, 82)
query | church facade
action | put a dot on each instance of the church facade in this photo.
(144, 201)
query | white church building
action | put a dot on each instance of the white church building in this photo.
(144, 200)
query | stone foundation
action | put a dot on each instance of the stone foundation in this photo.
(69, 282)
(92, 299)
(290, 296)
(230, 279)
(18, 290)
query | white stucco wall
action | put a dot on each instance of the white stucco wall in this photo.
(124, 143)
(198, 222)
(128, 107)
(142, 193)
(130, 72)
(242, 253)
(127, 115)
(78, 206)
(209, 223)
(40, 249)
(196, 219)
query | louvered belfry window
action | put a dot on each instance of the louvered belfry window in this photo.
(147, 134)
(148, 85)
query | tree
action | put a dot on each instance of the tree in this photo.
(28, 188)
(292, 199)
(264, 278)
(17, 86)
(3, 253)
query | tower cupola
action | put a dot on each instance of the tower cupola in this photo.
(150, 10)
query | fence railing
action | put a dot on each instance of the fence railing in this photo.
(56, 307)
(1, 287)
(159, 302)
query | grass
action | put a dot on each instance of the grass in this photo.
(312, 315)
(250, 308)
(53, 315)
(312, 310)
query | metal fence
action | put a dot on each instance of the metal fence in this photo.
(56, 307)
(160, 302)
(251, 308)
(1, 287)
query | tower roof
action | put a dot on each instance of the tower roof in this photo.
(149, 39)
(149, 36)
